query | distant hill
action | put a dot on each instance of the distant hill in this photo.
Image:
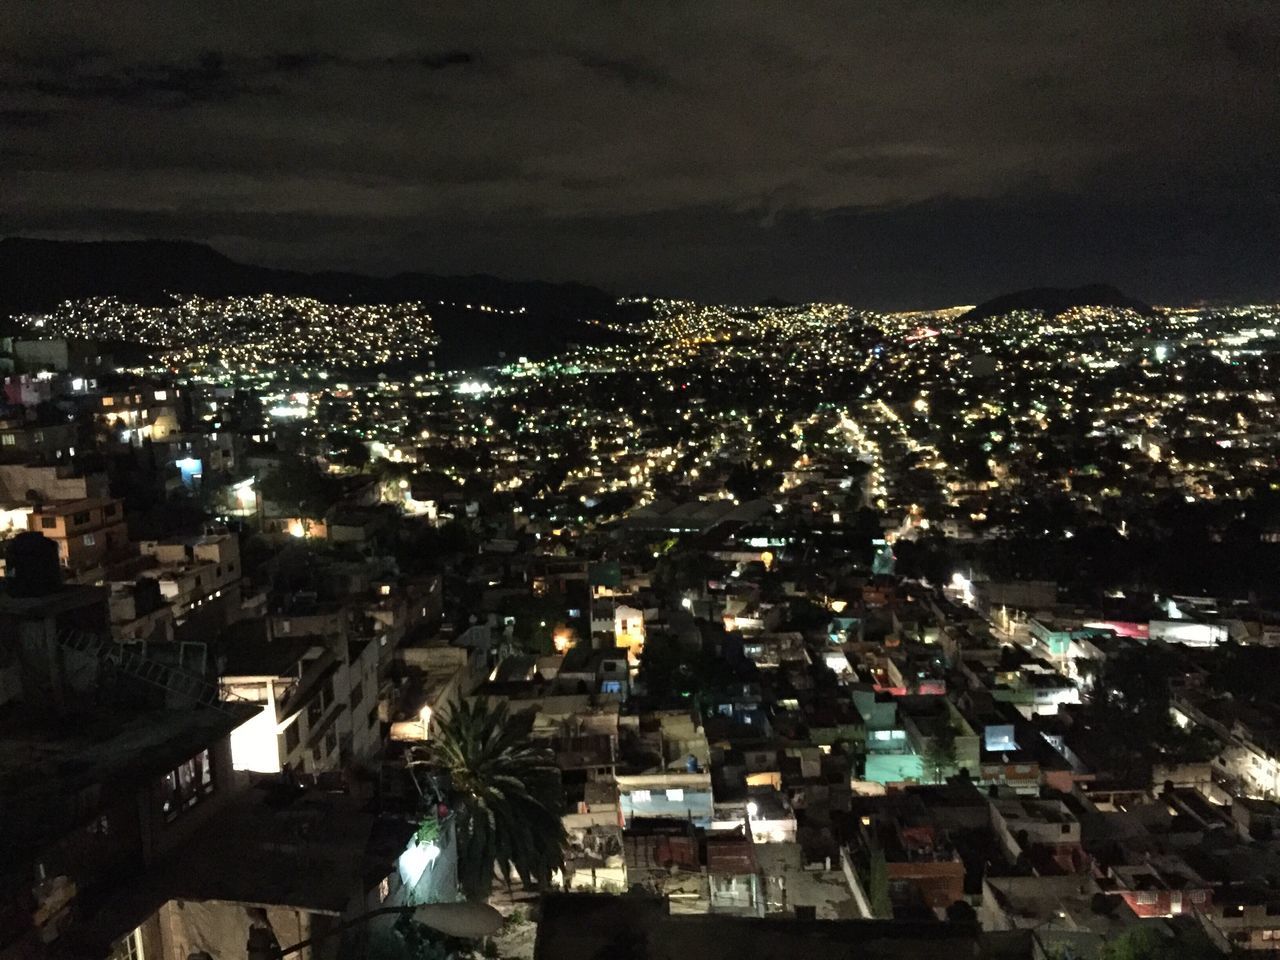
(37, 275)
(1055, 300)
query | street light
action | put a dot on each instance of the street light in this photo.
(467, 920)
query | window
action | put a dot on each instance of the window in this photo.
(8, 439)
(129, 948)
(109, 510)
(641, 796)
(314, 712)
(292, 737)
(187, 785)
(48, 522)
(1146, 898)
(384, 889)
(675, 795)
(38, 436)
(611, 686)
(357, 694)
(373, 716)
(89, 540)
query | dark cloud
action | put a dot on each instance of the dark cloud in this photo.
(628, 72)
(20, 117)
(447, 58)
(865, 151)
(205, 77)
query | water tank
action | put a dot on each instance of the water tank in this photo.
(32, 564)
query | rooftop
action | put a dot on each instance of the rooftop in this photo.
(587, 926)
(46, 763)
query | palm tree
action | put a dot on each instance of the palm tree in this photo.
(506, 795)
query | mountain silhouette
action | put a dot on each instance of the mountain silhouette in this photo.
(37, 275)
(1052, 301)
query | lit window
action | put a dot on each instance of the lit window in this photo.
(675, 795)
(187, 785)
(641, 796)
(88, 540)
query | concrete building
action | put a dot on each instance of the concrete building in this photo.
(87, 532)
(321, 708)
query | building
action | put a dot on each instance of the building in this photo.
(61, 354)
(88, 533)
(96, 781)
(586, 927)
(320, 702)
(197, 574)
(145, 413)
(48, 483)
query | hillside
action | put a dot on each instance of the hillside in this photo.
(36, 275)
(1052, 301)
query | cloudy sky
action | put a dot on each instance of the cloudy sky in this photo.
(889, 153)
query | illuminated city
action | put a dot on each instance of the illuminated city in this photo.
(816, 549)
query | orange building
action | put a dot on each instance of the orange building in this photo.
(87, 532)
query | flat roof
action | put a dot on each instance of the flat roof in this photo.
(61, 508)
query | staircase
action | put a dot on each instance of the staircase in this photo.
(183, 683)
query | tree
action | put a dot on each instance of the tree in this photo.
(1148, 942)
(939, 755)
(298, 482)
(878, 884)
(536, 620)
(348, 450)
(506, 795)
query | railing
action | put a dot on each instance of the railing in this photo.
(195, 687)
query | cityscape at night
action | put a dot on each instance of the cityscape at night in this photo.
(672, 526)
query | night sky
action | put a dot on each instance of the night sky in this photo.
(887, 154)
